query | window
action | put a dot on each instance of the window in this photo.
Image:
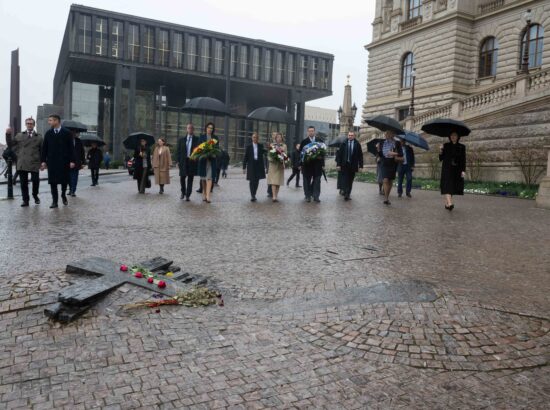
(268, 65)
(233, 68)
(402, 113)
(164, 48)
(101, 37)
(133, 42)
(488, 58)
(314, 73)
(149, 45)
(85, 34)
(291, 70)
(415, 8)
(205, 55)
(191, 53)
(243, 62)
(303, 71)
(117, 33)
(218, 57)
(536, 43)
(324, 69)
(178, 50)
(279, 67)
(255, 63)
(407, 70)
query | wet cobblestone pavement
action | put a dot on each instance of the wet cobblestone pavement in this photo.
(331, 305)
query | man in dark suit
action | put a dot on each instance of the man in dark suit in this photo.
(58, 157)
(187, 167)
(405, 170)
(27, 146)
(312, 171)
(253, 165)
(348, 161)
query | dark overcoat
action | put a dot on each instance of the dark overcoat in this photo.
(138, 162)
(187, 167)
(315, 167)
(453, 158)
(28, 151)
(57, 153)
(94, 157)
(255, 168)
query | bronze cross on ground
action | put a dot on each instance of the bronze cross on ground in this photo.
(78, 298)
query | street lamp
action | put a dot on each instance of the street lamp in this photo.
(340, 111)
(352, 119)
(411, 107)
(527, 17)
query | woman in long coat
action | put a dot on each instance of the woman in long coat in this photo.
(207, 167)
(162, 161)
(94, 157)
(391, 153)
(142, 165)
(276, 174)
(453, 169)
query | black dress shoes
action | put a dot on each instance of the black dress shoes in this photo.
(36, 199)
(24, 204)
(187, 199)
(54, 205)
(64, 200)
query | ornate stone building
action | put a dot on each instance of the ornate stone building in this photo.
(464, 59)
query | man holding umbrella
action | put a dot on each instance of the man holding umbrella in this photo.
(58, 157)
(94, 157)
(405, 170)
(349, 161)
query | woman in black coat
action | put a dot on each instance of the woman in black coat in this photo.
(142, 166)
(391, 153)
(453, 169)
(94, 157)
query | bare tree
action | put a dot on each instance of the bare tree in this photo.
(531, 162)
(475, 158)
(434, 165)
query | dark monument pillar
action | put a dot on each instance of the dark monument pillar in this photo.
(117, 113)
(291, 128)
(15, 107)
(299, 121)
(132, 100)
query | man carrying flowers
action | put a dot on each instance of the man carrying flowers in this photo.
(313, 151)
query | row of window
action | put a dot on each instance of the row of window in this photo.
(245, 61)
(488, 55)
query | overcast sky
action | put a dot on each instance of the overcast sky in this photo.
(342, 29)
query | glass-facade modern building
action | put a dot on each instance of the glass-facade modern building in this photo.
(119, 74)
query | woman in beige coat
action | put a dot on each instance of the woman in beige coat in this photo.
(162, 161)
(276, 173)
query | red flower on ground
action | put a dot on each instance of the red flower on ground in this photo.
(124, 268)
(150, 280)
(139, 275)
(161, 284)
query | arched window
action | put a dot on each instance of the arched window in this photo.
(407, 67)
(488, 55)
(536, 43)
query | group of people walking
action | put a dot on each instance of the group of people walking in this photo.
(60, 151)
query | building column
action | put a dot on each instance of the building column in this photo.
(68, 97)
(117, 111)
(300, 112)
(543, 196)
(291, 130)
(132, 100)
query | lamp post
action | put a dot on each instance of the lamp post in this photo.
(352, 119)
(9, 157)
(527, 16)
(411, 107)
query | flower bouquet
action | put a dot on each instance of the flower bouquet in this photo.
(206, 150)
(277, 154)
(314, 151)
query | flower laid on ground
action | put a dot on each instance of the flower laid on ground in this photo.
(140, 272)
(169, 274)
(161, 284)
(314, 151)
(206, 150)
(124, 268)
(277, 154)
(198, 296)
(138, 275)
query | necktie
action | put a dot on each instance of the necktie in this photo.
(56, 131)
(188, 146)
(350, 148)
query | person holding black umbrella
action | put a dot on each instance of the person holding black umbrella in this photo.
(142, 165)
(80, 161)
(348, 161)
(94, 157)
(453, 169)
(405, 169)
(58, 157)
(391, 154)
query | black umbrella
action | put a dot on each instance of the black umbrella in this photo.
(372, 146)
(205, 105)
(336, 142)
(414, 139)
(443, 127)
(384, 123)
(74, 126)
(132, 142)
(88, 139)
(272, 114)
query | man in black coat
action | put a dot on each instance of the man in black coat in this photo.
(312, 171)
(405, 169)
(348, 161)
(253, 165)
(94, 157)
(295, 161)
(187, 167)
(58, 157)
(80, 160)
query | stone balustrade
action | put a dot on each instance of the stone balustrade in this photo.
(490, 6)
(489, 97)
(408, 24)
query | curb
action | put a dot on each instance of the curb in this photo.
(119, 171)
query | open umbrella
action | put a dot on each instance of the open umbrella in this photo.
(87, 139)
(384, 123)
(74, 125)
(132, 141)
(414, 139)
(205, 105)
(336, 142)
(272, 114)
(443, 127)
(371, 146)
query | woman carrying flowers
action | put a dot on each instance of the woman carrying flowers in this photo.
(277, 157)
(207, 163)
